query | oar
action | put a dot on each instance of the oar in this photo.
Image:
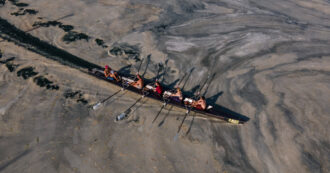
(164, 104)
(184, 84)
(208, 85)
(180, 81)
(125, 84)
(138, 70)
(189, 108)
(163, 120)
(127, 111)
(179, 129)
(202, 86)
(97, 105)
(140, 65)
(165, 70)
(164, 100)
(191, 123)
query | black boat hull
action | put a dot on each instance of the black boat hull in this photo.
(209, 114)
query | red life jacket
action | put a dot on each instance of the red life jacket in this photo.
(159, 89)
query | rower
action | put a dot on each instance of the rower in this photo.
(111, 74)
(177, 96)
(139, 83)
(158, 89)
(199, 104)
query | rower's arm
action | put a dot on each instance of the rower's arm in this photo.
(105, 73)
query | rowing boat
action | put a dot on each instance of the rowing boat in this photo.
(210, 113)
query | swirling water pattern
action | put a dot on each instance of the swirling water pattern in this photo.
(271, 60)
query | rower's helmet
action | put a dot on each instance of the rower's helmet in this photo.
(106, 66)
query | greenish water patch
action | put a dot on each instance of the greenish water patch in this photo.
(77, 95)
(100, 43)
(18, 4)
(22, 12)
(11, 67)
(66, 28)
(71, 94)
(10, 33)
(128, 51)
(72, 36)
(2, 2)
(44, 82)
(26, 72)
(7, 60)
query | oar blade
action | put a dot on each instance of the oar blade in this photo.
(97, 106)
(120, 116)
(176, 136)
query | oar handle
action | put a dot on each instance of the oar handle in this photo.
(140, 65)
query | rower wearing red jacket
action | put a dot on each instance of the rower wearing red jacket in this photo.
(158, 89)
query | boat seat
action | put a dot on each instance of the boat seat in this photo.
(189, 100)
(150, 87)
(127, 79)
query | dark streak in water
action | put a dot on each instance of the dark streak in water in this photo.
(65, 28)
(74, 36)
(230, 155)
(46, 24)
(16, 158)
(7, 60)
(11, 67)
(44, 82)
(311, 162)
(2, 2)
(11, 33)
(75, 95)
(288, 113)
(82, 100)
(18, 4)
(26, 72)
(131, 52)
(71, 94)
(100, 43)
(70, 35)
(22, 12)
(22, 4)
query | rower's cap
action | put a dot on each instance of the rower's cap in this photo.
(106, 66)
